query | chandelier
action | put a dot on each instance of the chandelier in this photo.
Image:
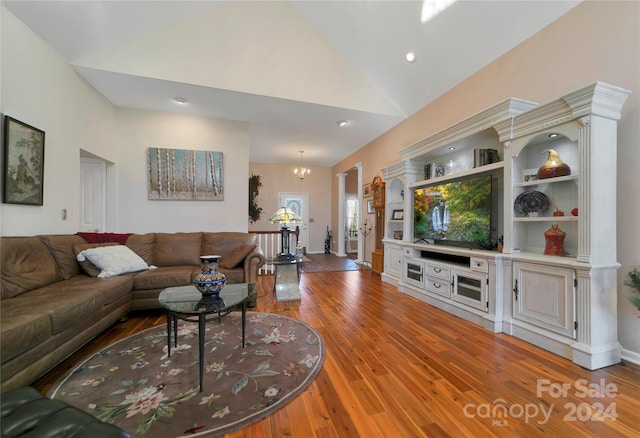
(301, 172)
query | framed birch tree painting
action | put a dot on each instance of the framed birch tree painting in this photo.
(185, 175)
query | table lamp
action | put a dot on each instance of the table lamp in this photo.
(285, 216)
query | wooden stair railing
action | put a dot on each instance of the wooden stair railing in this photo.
(269, 241)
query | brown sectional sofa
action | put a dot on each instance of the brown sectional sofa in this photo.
(50, 307)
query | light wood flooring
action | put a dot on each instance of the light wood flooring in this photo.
(397, 367)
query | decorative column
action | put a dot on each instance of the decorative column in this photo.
(340, 242)
(360, 213)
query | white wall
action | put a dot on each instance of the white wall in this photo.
(138, 130)
(40, 89)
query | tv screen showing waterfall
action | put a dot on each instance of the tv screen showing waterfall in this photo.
(456, 213)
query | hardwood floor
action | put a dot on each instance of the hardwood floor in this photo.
(396, 366)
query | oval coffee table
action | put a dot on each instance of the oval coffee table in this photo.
(188, 304)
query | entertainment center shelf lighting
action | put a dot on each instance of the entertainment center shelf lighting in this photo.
(565, 304)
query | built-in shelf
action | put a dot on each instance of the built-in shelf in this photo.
(454, 176)
(563, 303)
(547, 181)
(546, 219)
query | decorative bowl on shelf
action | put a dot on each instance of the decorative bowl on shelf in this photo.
(531, 203)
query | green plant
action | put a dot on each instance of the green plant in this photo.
(633, 281)
(255, 211)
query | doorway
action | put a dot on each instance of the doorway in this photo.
(93, 183)
(349, 182)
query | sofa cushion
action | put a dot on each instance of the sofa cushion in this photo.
(21, 331)
(27, 264)
(86, 265)
(142, 244)
(236, 256)
(223, 243)
(166, 276)
(67, 303)
(234, 276)
(177, 249)
(112, 289)
(113, 260)
(61, 246)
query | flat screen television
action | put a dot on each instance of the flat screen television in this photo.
(455, 213)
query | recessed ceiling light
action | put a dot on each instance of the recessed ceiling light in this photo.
(343, 122)
(553, 135)
(180, 100)
(410, 57)
(452, 148)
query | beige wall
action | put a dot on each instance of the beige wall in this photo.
(279, 178)
(596, 41)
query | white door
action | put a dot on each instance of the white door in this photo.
(93, 177)
(299, 203)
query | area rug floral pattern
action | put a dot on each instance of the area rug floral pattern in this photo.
(135, 385)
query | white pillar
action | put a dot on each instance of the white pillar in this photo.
(361, 213)
(340, 242)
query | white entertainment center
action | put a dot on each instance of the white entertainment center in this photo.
(562, 303)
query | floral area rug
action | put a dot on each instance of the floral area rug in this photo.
(135, 385)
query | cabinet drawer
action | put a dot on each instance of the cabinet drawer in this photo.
(437, 271)
(438, 286)
(479, 265)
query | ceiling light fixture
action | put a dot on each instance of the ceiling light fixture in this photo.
(301, 172)
(343, 123)
(553, 135)
(180, 100)
(410, 57)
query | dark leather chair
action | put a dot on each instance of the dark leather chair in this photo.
(27, 413)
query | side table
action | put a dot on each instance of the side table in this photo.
(188, 304)
(287, 281)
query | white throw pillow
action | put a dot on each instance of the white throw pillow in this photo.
(113, 260)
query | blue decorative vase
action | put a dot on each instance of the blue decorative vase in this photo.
(210, 281)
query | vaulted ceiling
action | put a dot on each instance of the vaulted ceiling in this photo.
(290, 69)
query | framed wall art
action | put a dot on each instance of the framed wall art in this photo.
(186, 175)
(366, 190)
(370, 208)
(23, 163)
(397, 215)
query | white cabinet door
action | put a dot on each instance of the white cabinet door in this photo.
(544, 296)
(470, 288)
(393, 260)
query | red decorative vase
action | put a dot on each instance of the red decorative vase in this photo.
(210, 281)
(554, 238)
(553, 167)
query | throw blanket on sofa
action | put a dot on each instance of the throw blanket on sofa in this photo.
(120, 238)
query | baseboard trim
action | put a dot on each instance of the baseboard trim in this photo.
(630, 356)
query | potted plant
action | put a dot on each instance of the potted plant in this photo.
(633, 281)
